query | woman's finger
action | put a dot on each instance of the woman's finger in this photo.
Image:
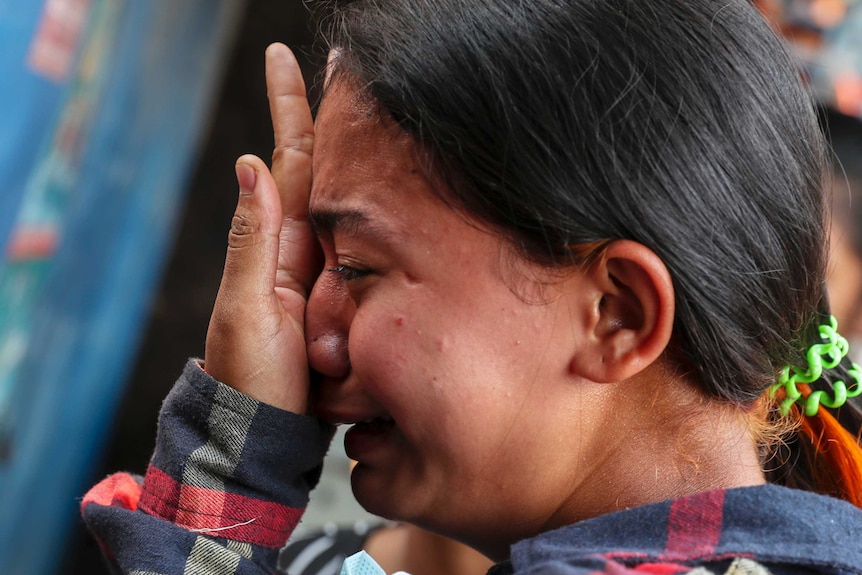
(245, 296)
(293, 130)
(250, 264)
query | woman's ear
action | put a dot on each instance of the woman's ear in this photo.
(630, 315)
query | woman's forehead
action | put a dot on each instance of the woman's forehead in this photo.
(351, 121)
(360, 153)
(344, 94)
(350, 113)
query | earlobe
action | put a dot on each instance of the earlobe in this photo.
(631, 313)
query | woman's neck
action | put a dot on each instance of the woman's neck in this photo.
(660, 450)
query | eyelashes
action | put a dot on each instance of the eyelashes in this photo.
(348, 273)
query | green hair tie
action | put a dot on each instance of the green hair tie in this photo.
(820, 356)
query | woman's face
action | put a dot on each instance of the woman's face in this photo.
(436, 342)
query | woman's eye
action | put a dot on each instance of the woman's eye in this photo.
(348, 273)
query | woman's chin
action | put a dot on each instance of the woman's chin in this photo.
(377, 493)
(371, 491)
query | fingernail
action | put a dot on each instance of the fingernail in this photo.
(247, 177)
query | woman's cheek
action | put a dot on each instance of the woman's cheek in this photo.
(376, 342)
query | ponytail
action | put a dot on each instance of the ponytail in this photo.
(824, 453)
(831, 457)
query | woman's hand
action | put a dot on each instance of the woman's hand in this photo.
(256, 342)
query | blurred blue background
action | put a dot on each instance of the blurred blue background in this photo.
(117, 115)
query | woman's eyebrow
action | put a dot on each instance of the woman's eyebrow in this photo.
(350, 222)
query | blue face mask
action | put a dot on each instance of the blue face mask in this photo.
(362, 564)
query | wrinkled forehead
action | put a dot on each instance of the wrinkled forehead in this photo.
(358, 147)
(348, 114)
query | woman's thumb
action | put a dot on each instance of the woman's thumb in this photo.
(253, 241)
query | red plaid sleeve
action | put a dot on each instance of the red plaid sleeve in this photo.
(226, 486)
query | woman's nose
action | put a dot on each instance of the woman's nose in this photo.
(327, 321)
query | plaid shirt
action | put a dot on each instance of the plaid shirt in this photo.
(230, 478)
(227, 484)
(764, 530)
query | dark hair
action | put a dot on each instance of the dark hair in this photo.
(679, 124)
